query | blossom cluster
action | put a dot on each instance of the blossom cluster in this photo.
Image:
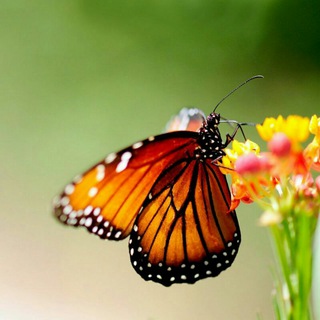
(284, 177)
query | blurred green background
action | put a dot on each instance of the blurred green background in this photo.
(80, 79)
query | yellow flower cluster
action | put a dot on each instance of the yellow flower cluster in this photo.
(296, 128)
(281, 175)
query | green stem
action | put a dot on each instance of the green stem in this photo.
(293, 243)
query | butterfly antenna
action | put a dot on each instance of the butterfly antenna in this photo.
(235, 89)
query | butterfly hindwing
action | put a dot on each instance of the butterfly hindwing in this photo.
(189, 119)
(185, 231)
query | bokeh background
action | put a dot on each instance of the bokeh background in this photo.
(80, 79)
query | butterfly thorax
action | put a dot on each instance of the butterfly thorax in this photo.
(209, 140)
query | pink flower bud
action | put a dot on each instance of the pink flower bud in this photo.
(265, 161)
(248, 163)
(280, 145)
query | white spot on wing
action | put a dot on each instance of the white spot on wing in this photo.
(117, 235)
(101, 167)
(88, 210)
(67, 209)
(124, 161)
(80, 213)
(69, 189)
(71, 221)
(88, 222)
(137, 145)
(77, 179)
(121, 166)
(64, 201)
(100, 176)
(126, 156)
(100, 172)
(111, 157)
(63, 218)
(96, 211)
(92, 192)
(72, 215)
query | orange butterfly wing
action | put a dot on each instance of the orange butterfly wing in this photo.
(185, 231)
(107, 198)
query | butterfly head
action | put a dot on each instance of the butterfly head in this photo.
(213, 120)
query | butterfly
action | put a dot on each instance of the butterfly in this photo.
(168, 195)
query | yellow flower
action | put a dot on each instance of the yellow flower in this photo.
(269, 127)
(314, 127)
(296, 128)
(312, 151)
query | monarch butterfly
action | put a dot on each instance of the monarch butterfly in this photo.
(168, 194)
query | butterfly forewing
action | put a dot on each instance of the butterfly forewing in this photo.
(185, 231)
(107, 198)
